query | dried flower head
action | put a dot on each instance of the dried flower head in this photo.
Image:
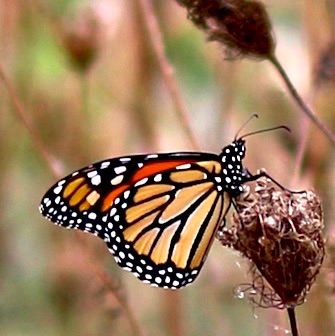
(280, 233)
(325, 68)
(242, 26)
(80, 38)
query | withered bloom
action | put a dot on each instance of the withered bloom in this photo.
(242, 26)
(324, 72)
(81, 40)
(280, 233)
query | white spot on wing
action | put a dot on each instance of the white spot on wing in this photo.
(119, 170)
(58, 189)
(175, 283)
(184, 166)
(141, 182)
(117, 180)
(152, 156)
(96, 180)
(158, 178)
(92, 216)
(105, 164)
(92, 173)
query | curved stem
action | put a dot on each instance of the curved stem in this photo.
(23, 116)
(57, 171)
(307, 110)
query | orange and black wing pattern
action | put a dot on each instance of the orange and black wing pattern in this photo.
(157, 213)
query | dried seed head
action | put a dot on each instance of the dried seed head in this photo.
(81, 39)
(325, 68)
(242, 26)
(280, 233)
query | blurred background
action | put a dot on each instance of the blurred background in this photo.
(90, 86)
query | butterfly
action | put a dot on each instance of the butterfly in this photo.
(157, 213)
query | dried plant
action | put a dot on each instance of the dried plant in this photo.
(325, 67)
(81, 36)
(280, 232)
(300, 245)
(81, 39)
(243, 28)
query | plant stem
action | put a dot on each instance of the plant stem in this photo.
(167, 70)
(84, 93)
(307, 110)
(54, 165)
(112, 287)
(293, 321)
(57, 170)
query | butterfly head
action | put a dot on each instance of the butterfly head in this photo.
(234, 174)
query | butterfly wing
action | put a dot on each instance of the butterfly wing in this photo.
(158, 213)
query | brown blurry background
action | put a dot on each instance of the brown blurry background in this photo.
(89, 82)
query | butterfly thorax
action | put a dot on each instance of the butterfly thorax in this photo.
(234, 175)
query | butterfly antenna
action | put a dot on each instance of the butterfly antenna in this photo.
(254, 115)
(283, 127)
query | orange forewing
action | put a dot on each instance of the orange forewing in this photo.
(147, 170)
(153, 168)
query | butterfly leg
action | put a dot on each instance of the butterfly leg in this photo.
(266, 175)
(238, 213)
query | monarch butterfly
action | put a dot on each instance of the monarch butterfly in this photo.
(157, 213)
